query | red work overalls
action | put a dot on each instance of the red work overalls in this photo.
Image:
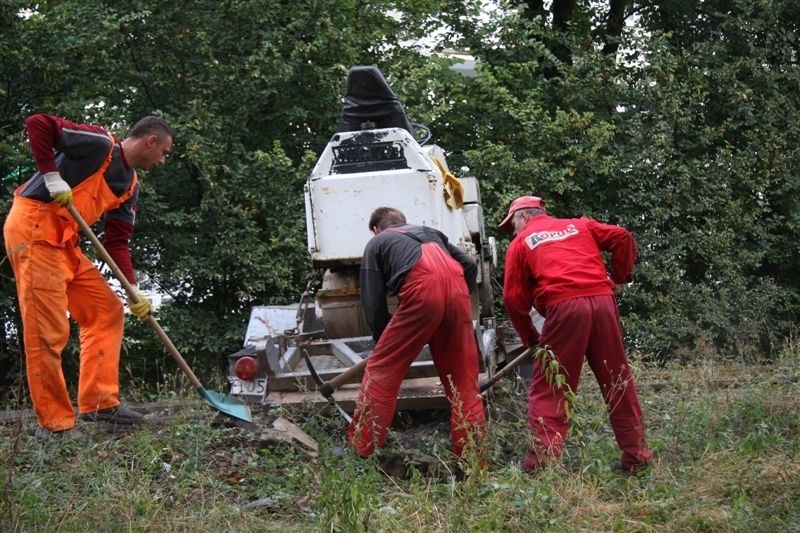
(433, 308)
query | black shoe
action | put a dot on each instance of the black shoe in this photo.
(65, 435)
(393, 465)
(630, 470)
(115, 415)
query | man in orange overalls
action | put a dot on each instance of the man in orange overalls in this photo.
(85, 166)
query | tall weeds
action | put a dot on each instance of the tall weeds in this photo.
(726, 440)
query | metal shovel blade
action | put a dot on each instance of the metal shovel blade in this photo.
(227, 405)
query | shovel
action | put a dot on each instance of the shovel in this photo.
(224, 404)
(326, 388)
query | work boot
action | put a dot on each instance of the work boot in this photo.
(630, 470)
(65, 435)
(115, 415)
(532, 464)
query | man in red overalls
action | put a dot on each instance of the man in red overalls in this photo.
(432, 279)
(556, 266)
(85, 166)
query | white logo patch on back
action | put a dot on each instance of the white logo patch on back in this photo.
(535, 239)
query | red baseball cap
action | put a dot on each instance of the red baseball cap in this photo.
(523, 202)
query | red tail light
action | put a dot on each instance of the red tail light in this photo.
(246, 368)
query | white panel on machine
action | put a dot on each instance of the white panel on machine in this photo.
(361, 171)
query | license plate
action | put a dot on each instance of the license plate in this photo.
(254, 387)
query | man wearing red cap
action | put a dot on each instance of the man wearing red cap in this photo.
(556, 266)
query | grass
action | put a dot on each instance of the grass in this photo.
(725, 437)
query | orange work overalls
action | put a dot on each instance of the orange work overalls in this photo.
(54, 277)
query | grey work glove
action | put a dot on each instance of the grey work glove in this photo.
(58, 188)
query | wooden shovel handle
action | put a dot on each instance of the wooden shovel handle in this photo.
(506, 369)
(357, 369)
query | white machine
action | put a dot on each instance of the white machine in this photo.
(374, 160)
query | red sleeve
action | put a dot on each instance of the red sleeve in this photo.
(621, 244)
(44, 135)
(518, 288)
(115, 239)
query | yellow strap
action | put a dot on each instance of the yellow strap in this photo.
(453, 190)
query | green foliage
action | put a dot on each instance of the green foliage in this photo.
(348, 498)
(679, 126)
(686, 140)
(719, 125)
(252, 92)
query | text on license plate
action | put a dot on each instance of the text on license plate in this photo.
(255, 386)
